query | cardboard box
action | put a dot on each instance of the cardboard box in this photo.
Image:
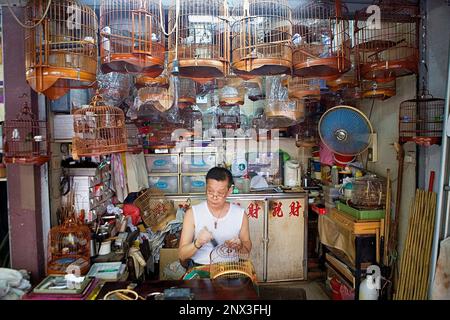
(166, 256)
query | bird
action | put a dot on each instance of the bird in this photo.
(297, 39)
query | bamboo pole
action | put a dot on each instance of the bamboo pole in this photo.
(387, 218)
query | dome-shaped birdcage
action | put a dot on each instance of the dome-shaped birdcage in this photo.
(231, 263)
(231, 91)
(421, 120)
(131, 37)
(389, 49)
(201, 44)
(300, 88)
(381, 90)
(321, 40)
(69, 243)
(261, 38)
(26, 139)
(60, 52)
(99, 129)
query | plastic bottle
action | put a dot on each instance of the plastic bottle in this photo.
(367, 291)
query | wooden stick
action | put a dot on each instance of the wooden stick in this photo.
(387, 217)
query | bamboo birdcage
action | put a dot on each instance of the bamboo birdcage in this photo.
(160, 98)
(321, 40)
(231, 91)
(99, 129)
(391, 48)
(26, 139)
(382, 90)
(187, 93)
(422, 119)
(201, 44)
(300, 88)
(69, 243)
(261, 38)
(60, 52)
(254, 89)
(190, 116)
(131, 37)
(134, 138)
(231, 263)
(161, 81)
(347, 80)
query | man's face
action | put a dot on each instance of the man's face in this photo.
(217, 192)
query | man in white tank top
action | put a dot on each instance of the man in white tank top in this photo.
(214, 221)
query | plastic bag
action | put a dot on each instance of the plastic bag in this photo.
(132, 211)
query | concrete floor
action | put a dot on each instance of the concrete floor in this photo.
(315, 289)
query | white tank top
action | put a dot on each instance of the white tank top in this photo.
(228, 227)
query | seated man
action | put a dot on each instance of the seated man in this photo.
(213, 222)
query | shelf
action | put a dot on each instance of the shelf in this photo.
(3, 179)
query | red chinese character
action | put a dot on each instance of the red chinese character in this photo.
(277, 212)
(295, 208)
(253, 210)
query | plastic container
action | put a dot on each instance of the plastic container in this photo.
(200, 162)
(193, 184)
(166, 184)
(161, 163)
(361, 214)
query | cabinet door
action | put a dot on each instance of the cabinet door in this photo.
(286, 246)
(255, 212)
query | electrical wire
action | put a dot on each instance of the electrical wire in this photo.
(24, 25)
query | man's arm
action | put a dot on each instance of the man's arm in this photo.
(244, 234)
(186, 249)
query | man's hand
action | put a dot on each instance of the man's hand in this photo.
(204, 236)
(234, 243)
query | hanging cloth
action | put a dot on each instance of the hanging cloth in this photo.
(137, 175)
(118, 178)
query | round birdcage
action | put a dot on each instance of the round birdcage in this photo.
(231, 263)
(321, 40)
(231, 91)
(99, 129)
(422, 119)
(200, 45)
(389, 49)
(382, 90)
(134, 138)
(306, 132)
(346, 80)
(60, 52)
(114, 87)
(187, 93)
(67, 244)
(143, 81)
(160, 98)
(284, 113)
(26, 139)
(300, 88)
(190, 116)
(131, 37)
(261, 37)
(254, 89)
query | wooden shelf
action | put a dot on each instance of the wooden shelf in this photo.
(3, 179)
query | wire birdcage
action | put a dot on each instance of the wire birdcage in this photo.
(369, 192)
(99, 129)
(60, 52)
(26, 139)
(307, 134)
(231, 263)
(228, 117)
(389, 49)
(187, 93)
(422, 119)
(155, 209)
(382, 90)
(201, 44)
(69, 243)
(261, 38)
(131, 37)
(231, 91)
(299, 88)
(321, 40)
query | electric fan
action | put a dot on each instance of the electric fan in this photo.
(346, 131)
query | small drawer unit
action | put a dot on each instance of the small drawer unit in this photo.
(168, 184)
(197, 162)
(193, 184)
(162, 163)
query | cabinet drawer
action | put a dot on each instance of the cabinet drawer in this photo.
(193, 184)
(166, 184)
(162, 163)
(201, 162)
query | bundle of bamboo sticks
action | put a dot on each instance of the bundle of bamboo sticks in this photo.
(415, 262)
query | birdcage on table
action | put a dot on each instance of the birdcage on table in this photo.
(321, 40)
(61, 51)
(26, 139)
(69, 244)
(231, 91)
(421, 120)
(230, 263)
(155, 209)
(200, 45)
(389, 49)
(131, 37)
(368, 192)
(99, 129)
(299, 88)
(261, 38)
(382, 89)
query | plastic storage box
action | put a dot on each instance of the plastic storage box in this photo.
(166, 184)
(197, 162)
(157, 163)
(193, 184)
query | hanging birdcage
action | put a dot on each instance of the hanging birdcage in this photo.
(346, 80)
(131, 37)
(306, 132)
(134, 138)
(231, 263)
(389, 49)
(160, 98)
(228, 117)
(68, 244)
(60, 52)
(422, 119)
(261, 37)
(26, 139)
(200, 45)
(190, 117)
(300, 88)
(254, 89)
(382, 90)
(231, 91)
(321, 40)
(99, 129)
(114, 87)
(161, 81)
(187, 93)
